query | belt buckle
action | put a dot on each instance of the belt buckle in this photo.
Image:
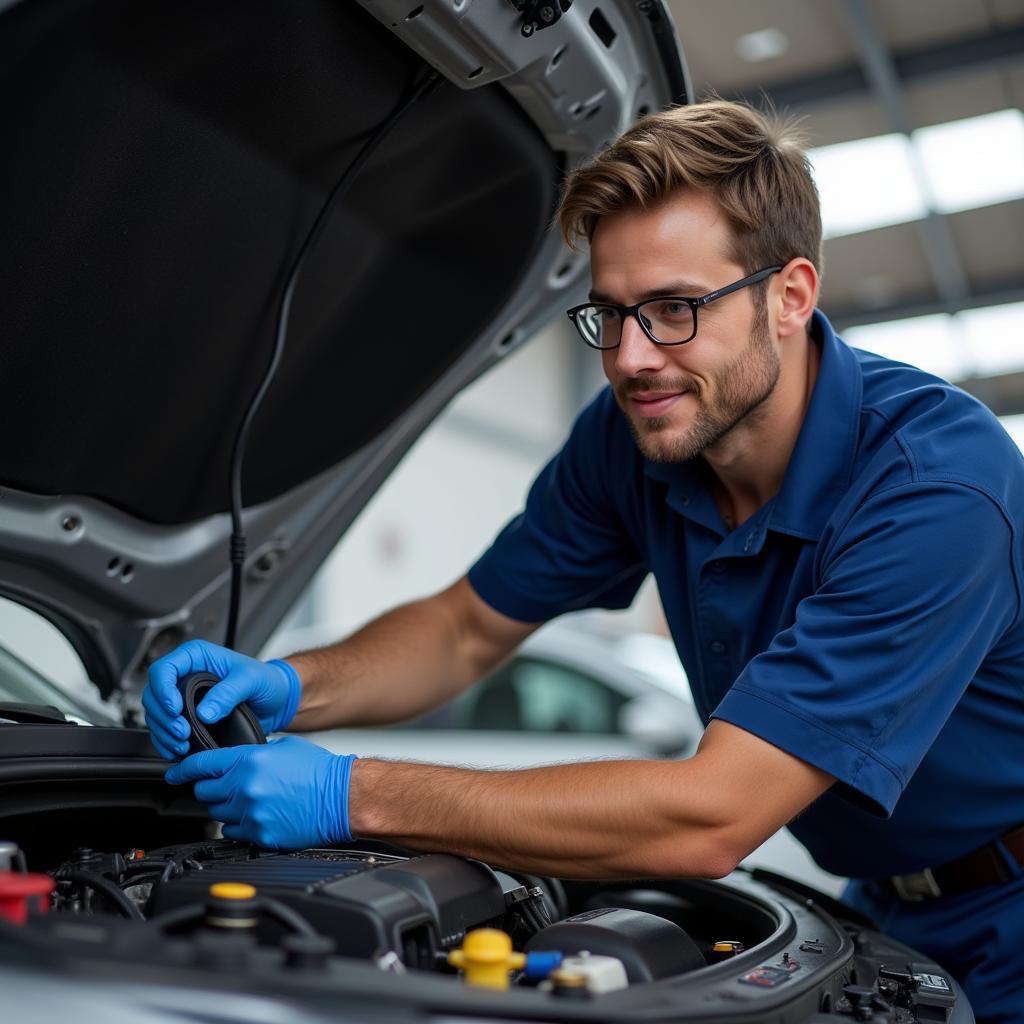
(917, 886)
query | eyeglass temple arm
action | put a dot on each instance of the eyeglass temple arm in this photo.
(737, 285)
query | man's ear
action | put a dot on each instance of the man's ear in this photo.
(795, 290)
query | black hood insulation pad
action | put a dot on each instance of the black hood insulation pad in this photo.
(163, 162)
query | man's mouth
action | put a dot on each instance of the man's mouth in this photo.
(650, 404)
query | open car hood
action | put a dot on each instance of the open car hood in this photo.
(163, 164)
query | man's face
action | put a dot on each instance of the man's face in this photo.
(681, 400)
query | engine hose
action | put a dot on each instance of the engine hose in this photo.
(542, 915)
(104, 887)
(528, 911)
(142, 878)
(160, 866)
(179, 915)
(288, 917)
(540, 906)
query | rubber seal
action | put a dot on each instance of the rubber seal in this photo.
(239, 727)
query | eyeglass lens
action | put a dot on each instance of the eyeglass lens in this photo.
(668, 320)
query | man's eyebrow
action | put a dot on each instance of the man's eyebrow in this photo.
(684, 289)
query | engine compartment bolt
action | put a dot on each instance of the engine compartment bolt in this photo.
(307, 952)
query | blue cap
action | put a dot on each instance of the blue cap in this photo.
(540, 965)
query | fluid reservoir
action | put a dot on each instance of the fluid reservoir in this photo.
(602, 973)
(649, 947)
(23, 894)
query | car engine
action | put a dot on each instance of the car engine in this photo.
(319, 921)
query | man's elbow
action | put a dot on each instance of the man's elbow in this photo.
(719, 857)
(713, 855)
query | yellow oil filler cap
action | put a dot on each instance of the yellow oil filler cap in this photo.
(486, 958)
(232, 891)
(725, 949)
(232, 905)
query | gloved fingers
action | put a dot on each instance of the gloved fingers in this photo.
(168, 753)
(227, 813)
(156, 708)
(214, 791)
(168, 746)
(168, 733)
(294, 744)
(191, 656)
(236, 687)
(207, 764)
(162, 691)
(236, 832)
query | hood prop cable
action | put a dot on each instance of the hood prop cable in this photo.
(238, 539)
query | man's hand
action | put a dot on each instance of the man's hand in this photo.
(272, 690)
(286, 795)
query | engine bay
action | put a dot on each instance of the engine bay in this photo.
(391, 926)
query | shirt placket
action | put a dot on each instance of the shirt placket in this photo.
(716, 609)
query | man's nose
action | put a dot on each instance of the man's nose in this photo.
(636, 352)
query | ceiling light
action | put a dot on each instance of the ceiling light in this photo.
(865, 184)
(929, 342)
(1014, 426)
(974, 162)
(765, 44)
(994, 337)
(981, 342)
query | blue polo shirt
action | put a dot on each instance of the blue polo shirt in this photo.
(867, 619)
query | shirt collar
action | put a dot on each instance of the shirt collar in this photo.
(821, 465)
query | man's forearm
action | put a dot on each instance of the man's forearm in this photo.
(604, 819)
(405, 663)
(608, 819)
(396, 667)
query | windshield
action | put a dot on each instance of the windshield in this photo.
(22, 684)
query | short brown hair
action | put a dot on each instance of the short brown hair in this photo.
(753, 164)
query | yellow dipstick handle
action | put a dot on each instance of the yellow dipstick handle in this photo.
(486, 958)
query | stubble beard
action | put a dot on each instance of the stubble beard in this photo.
(742, 387)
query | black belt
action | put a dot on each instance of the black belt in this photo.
(984, 866)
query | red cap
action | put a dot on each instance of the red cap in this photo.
(20, 894)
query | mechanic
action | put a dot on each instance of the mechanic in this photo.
(836, 542)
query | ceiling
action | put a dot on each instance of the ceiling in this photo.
(863, 68)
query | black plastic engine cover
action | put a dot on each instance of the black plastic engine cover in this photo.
(367, 904)
(649, 947)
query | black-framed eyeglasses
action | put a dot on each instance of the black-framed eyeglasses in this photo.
(665, 319)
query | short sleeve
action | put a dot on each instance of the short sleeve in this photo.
(916, 588)
(569, 548)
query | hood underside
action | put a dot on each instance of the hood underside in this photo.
(163, 164)
(141, 290)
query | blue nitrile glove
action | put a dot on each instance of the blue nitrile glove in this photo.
(272, 690)
(285, 795)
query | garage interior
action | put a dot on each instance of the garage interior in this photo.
(927, 94)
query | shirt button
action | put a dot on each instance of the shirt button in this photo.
(717, 566)
(717, 647)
